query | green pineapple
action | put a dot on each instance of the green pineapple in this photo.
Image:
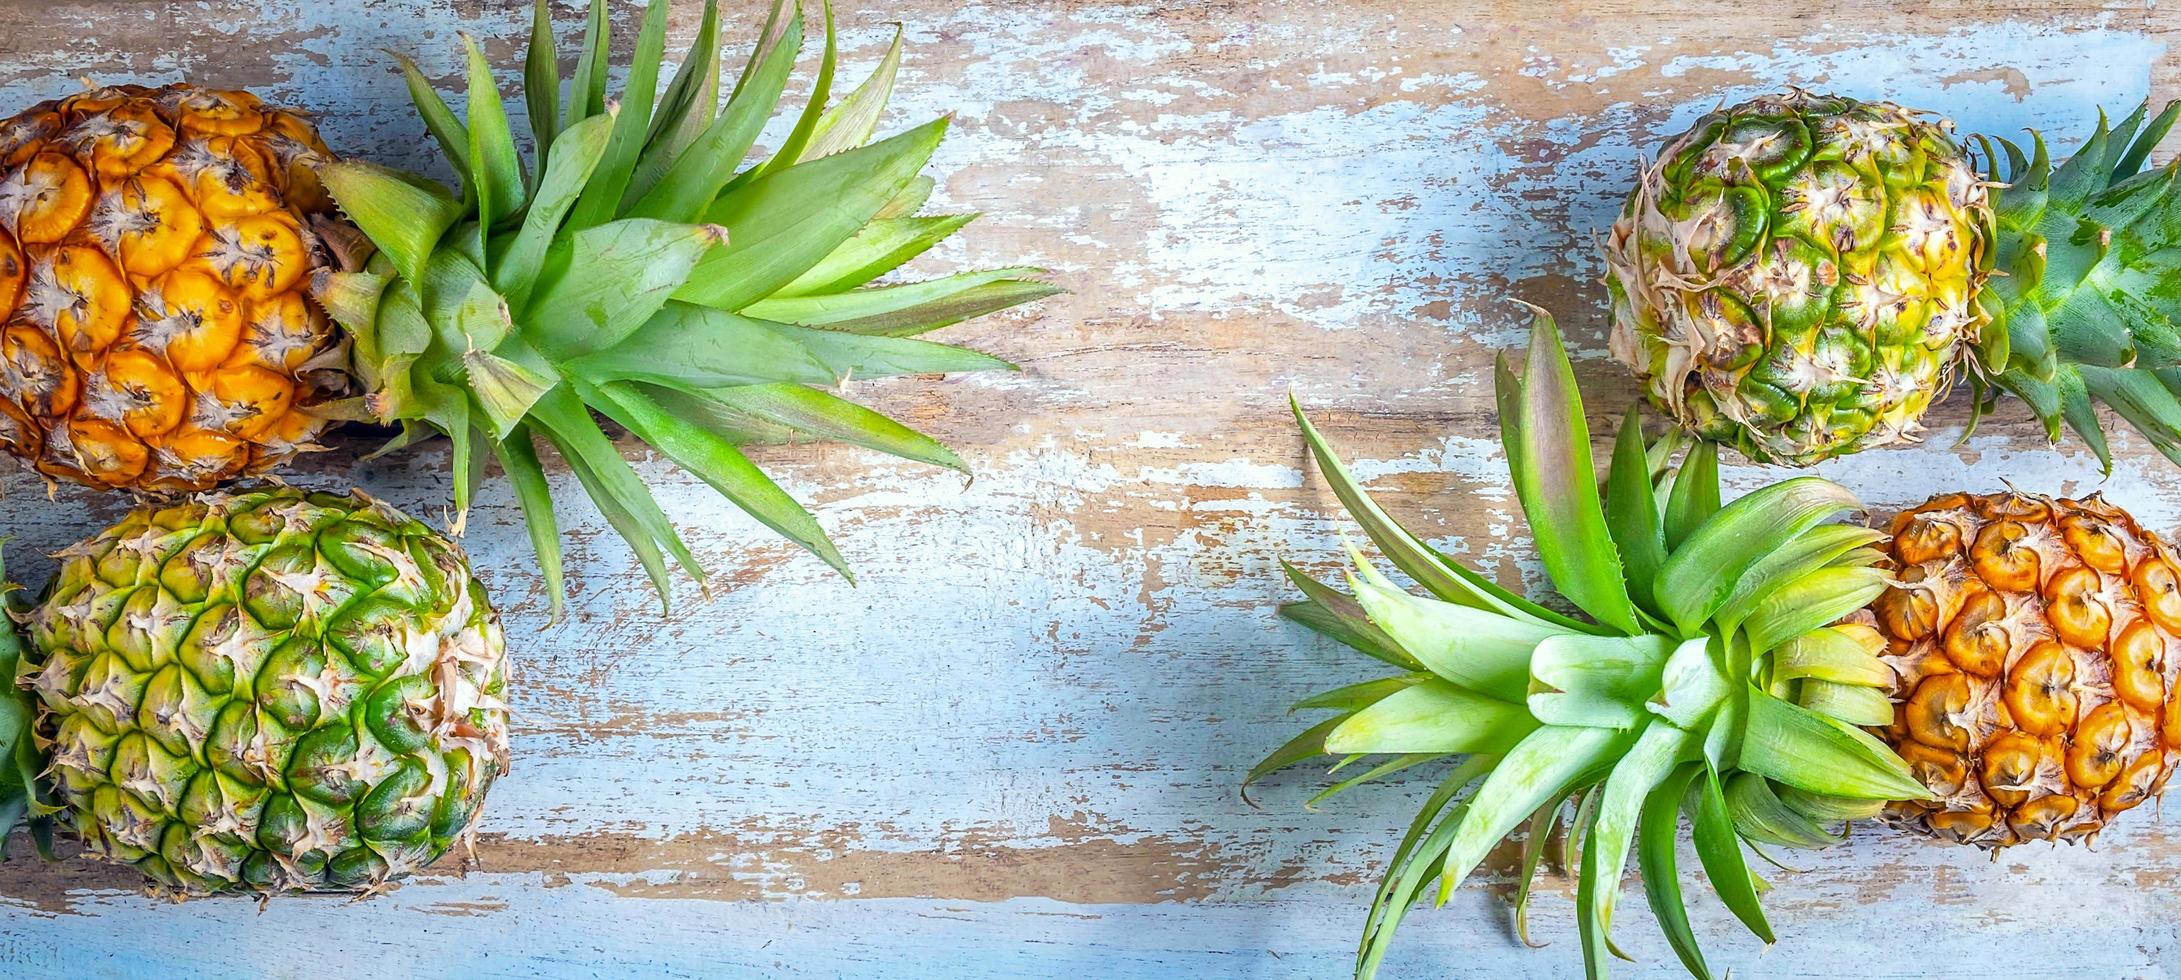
(267, 691)
(1800, 276)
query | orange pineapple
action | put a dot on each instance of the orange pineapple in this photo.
(180, 304)
(2031, 640)
(156, 247)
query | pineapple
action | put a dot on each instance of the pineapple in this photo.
(156, 251)
(1799, 276)
(2029, 637)
(269, 690)
(187, 311)
(1992, 669)
(1708, 678)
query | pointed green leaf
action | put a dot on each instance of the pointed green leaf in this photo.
(1559, 488)
(519, 458)
(1805, 553)
(1829, 655)
(2138, 151)
(696, 348)
(1701, 575)
(1355, 697)
(494, 169)
(447, 408)
(719, 464)
(1720, 851)
(1809, 751)
(692, 97)
(1817, 598)
(620, 495)
(1828, 810)
(624, 523)
(852, 120)
(402, 214)
(781, 225)
(453, 138)
(1631, 510)
(686, 111)
(587, 89)
(2080, 413)
(1854, 704)
(1440, 576)
(1338, 615)
(541, 85)
(850, 355)
(602, 195)
(1761, 818)
(2141, 399)
(2118, 142)
(1380, 771)
(1541, 827)
(1545, 765)
(878, 248)
(575, 154)
(773, 413)
(1308, 745)
(1655, 859)
(908, 309)
(1433, 716)
(821, 90)
(911, 198)
(608, 281)
(1412, 859)
(1695, 496)
(1657, 751)
(2084, 172)
(693, 180)
(1480, 650)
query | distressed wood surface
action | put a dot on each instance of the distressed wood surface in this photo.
(1012, 751)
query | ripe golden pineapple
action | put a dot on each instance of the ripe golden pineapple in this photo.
(180, 305)
(2030, 637)
(155, 256)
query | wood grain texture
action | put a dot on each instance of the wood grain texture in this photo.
(1012, 750)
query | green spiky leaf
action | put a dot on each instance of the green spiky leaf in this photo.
(404, 215)
(1558, 487)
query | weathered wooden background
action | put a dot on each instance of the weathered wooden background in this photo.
(1013, 750)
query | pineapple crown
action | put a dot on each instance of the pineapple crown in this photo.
(636, 268)
(2086, 306)
(1705, 680)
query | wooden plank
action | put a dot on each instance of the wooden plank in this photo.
(1013, 749)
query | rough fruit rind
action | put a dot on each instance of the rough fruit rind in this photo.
(269, 691)
(1796, 276)
(2033, 641)
(156, 250)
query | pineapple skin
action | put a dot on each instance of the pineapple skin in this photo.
(1797, 275)
(268, 691)
(156, 252)
(2033, 640)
